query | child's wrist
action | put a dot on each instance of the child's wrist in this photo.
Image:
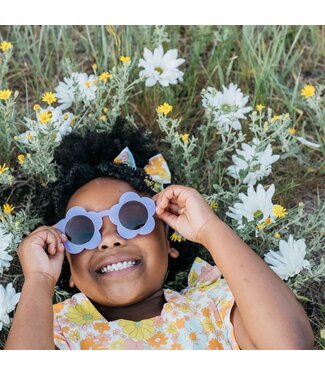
(207, 231)
(40, 278)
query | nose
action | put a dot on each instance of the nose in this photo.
(110, 237)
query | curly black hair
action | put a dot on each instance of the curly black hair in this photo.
(82, 158)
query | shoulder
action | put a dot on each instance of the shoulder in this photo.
(241, 335)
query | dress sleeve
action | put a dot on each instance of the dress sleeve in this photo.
(60, 340)
(207, 280)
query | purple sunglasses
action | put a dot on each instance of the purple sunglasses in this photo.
(133, 215)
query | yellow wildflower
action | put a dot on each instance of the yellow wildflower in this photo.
(185, 138)
(292, 130)
(125, 59)
(5, 94)
(7, 208)
(21, 159)
(45, 117)
(87, 84)
(105, 109)
(308, 91)
(104, 76)
(49, 97)
(36, 107)
(30, 136)
(176, 237)
(103, 118)
(277, 235)
(141, 330)
(94, 66)
(260, 107)
(260, 226)
(165, 108)
(66, 116)
(268, 221)
(82, 313)
(3, 168)
(5, 46)
(214, 205)
(276, 118)
(279, 211)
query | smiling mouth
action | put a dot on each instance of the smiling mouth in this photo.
(118, 266)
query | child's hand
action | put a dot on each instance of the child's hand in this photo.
(33, 256)
(185, 210)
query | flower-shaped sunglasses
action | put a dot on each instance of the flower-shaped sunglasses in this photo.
(133, 215)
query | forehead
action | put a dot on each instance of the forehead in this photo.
(100, 193)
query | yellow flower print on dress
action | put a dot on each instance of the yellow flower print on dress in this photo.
(117, 344)
(138, 330)
(83, 313)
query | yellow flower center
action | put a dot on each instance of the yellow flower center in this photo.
(88, 84)
(292, 130)
(258, 213)
(159, 70)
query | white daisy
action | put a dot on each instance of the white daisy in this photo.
(58, 123)
(79, 87)
(228, 107)
(256, 163)
(5, 241)
(8, 301)
(253, 204)
(160, 67)
(289, 261)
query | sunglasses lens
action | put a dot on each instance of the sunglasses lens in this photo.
(79, 229)
(133, 215)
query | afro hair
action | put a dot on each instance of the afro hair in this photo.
(82, 158)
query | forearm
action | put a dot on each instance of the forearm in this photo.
(272, 316)
(32, 327)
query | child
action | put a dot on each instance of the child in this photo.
(118, 252)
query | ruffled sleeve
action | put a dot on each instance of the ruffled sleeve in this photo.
(206, 283)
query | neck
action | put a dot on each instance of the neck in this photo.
(148, 308)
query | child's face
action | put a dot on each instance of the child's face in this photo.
(127, 286)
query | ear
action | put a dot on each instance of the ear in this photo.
(71, 282)
(173, 253)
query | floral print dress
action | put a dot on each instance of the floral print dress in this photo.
(198, 317)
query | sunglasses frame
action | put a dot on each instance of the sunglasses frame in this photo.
(113, 214)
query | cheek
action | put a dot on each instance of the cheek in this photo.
(79, 265)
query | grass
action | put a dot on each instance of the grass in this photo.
(269, 63)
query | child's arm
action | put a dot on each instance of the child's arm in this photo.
(32, 327)
(271, 316)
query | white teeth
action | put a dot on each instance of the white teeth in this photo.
(118, 266)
